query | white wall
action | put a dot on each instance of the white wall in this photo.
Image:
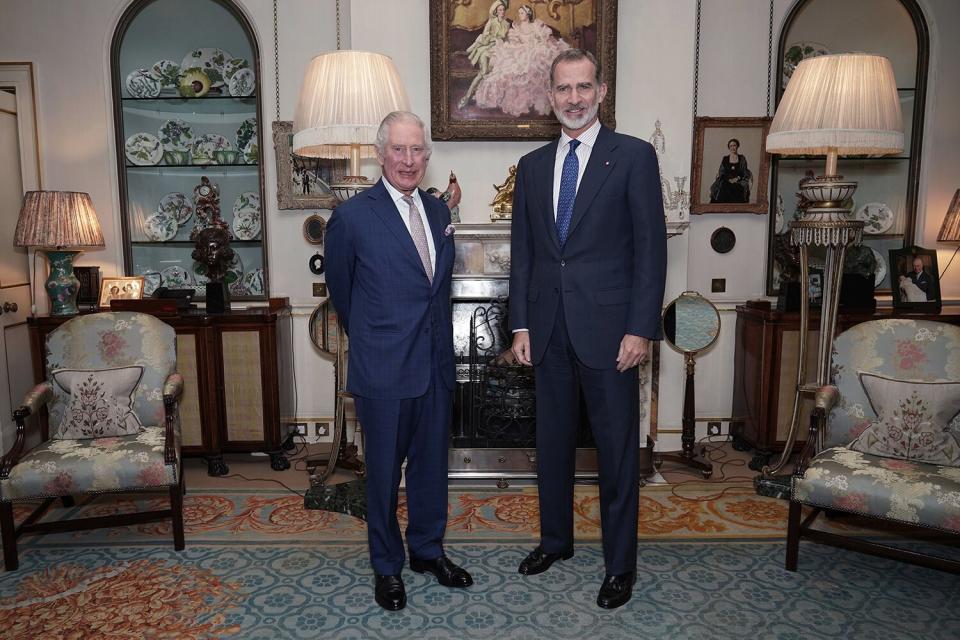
(69, 43)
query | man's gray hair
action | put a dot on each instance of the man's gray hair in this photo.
(380, 144)
(573, 55)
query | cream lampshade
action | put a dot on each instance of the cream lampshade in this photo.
(54, 221)
(344, 97)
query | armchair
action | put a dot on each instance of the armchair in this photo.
(879, 364)
(69, 464)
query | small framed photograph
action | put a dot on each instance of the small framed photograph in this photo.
(730, 166)
(915, 279)
(303, 183)
(89, 278)
(125, 288)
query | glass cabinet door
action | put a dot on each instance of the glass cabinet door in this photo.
(186, 92)
(886, 196)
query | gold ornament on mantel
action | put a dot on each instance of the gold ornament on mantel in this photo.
(503, 202)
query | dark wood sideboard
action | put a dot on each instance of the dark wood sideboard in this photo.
(765, 369)
(238, 379)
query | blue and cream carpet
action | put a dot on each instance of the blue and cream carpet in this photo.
(259, 566)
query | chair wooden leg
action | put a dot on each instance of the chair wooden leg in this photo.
(176, 506)
(9, 534)
(793, 535)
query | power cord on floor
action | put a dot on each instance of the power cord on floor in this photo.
(298, 456)
(719, 474)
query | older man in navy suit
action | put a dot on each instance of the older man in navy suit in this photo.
(389, 263)
(588, 264)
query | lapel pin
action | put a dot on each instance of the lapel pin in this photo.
(607, 163)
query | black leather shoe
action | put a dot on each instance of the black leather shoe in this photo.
(389, 592)
(539, 561)
(447, 573)
(616, 590)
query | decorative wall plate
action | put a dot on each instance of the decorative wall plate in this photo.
(151, 282)
(251, 151)
(242, 83)
(168, 71)
(175, 135)
(143, 83)
(143, 149)
(877, 217)
(160, 227)
(246, 226)
(207, 145)
(797, 52)
(881, 271)
(253, 282)
(247, 203)
(723, 240)
(232, 66)
(212, 60)
(176, 277)
(246, 132)
(177, 206)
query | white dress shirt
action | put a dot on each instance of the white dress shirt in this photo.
(587, 139)
(404, 210)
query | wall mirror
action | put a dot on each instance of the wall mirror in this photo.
(691, 324)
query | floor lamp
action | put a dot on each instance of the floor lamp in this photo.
(838, 104)
(344, 97)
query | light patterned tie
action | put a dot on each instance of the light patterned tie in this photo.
(419, 235)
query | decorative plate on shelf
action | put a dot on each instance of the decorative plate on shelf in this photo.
(232, 66)
(168, 71)
(143, 149)
(212, 60)
(242, 83)
(175, 135)
(881, 271)
(877, 217)
(246, 132)
(246, 226)
(251, 151)
(253, 282)
(143, 83)
(797, 52)
(247, 203)
(207, 145)
(177, 206)
(151, 282)
(160, 227)
(176, 277)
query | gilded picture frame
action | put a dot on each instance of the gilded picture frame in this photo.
(120, 288)
(472, 98)
(303, 183)
(733, 192)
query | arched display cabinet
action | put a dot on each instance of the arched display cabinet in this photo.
(888, 186)
(186, 91)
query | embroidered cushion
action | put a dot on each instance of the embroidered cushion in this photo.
(100, 402)
(913, 420)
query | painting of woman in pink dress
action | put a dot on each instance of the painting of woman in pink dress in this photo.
(520, 68)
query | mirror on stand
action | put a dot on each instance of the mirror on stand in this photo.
(691, 325)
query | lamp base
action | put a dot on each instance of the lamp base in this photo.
(348, 186)
(62, 285)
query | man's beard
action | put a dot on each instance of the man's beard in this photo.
(578, 123)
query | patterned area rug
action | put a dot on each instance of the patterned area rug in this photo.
(257, 565)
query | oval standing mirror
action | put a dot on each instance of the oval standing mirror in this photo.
(690, 324)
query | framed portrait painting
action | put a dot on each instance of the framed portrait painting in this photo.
(730, 166)
(915, 279)
(303, 183)
(490, 64)
(120, 288)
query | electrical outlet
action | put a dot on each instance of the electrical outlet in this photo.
(298, 428)
(321, 429)
(713, 428)
(319, 289)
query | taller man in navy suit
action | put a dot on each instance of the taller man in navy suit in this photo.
(389, 263)
(588, 263)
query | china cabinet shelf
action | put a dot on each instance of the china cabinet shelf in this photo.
(194, 167)
(187, 243)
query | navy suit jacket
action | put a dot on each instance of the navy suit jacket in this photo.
(611, 271)
(400, 326)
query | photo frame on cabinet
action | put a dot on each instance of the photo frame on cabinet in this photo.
(303, 183)
(915, 279)
(474, 98)
(720, 185)
(120, 288)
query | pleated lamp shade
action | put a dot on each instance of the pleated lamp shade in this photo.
(846, 102)
(57, 219)
(344, 97)
(950, 229)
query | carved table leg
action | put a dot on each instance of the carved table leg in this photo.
(216, 466)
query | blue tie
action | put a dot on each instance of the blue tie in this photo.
(568, 191)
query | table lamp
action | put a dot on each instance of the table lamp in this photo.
(59, 223)
(344, 97)
(950, 229)
(834, 105)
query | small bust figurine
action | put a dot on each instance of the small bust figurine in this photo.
(213, 251)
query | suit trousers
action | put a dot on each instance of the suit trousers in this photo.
(613, 407)
(418, 430)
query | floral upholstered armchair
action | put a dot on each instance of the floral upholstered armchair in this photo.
(890, 448)
(111, 397)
